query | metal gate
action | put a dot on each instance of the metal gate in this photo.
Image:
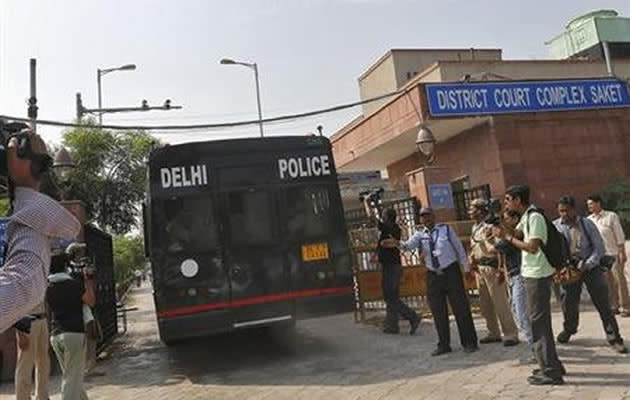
(100, 250)
(363, 236)
(463, 199)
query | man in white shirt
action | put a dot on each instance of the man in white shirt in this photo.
(609, 227)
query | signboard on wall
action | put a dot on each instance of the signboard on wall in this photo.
(441, 196)
(483, 98)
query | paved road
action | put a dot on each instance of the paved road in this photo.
(338, 359)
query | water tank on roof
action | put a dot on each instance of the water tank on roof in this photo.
(583, 37)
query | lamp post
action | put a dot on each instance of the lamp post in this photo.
(62, 165)
(101, 72)
(254, 66)
(425, 142)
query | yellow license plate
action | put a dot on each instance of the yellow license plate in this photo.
(313, 252)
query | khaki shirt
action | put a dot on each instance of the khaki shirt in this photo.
(478, 243)
(609, 227)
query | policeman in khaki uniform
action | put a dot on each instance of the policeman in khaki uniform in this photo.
(491, 281)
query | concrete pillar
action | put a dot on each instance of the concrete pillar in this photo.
(431, 186)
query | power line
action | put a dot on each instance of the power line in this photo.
(214, 125)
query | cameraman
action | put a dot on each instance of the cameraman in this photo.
(36, 219)
(391, 267)
(65, 297)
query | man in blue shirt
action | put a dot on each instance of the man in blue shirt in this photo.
(443, 255)
(586, 248)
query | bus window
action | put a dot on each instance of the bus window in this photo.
(189, 225)
(308, 211)
(250, 217)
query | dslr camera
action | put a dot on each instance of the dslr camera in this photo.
(41, 162)
(493, 207)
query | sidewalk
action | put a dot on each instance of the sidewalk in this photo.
(338, 359)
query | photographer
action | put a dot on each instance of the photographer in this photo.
(66, 297)
(391, 267)
(35, 221)
(586, 249)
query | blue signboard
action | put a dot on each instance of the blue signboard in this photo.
(480, 98)
(441, 196)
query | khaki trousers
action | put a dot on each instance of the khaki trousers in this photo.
(618, 285)
(494, 303)
(36, 355)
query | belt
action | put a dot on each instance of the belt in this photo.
(488, 262)
(441, 270)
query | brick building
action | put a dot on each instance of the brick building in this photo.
(546, 123)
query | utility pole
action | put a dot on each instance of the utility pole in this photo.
(32, 101)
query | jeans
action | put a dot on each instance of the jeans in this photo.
(391, 287)
(538, 304)
(70, 350)
(518, 304)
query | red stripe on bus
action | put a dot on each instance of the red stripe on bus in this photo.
(253, 300)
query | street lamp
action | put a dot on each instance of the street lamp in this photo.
(425, 142)
(229, 61)
(101, 72)
(62, 165)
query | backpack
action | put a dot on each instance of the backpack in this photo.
(556, 250)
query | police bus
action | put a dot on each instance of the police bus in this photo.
(245, 233)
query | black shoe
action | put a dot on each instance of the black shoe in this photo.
(414, 324)
(510, 342)
(537, 371)
(470, 349)
(619, 348)
(544, 380)
(563, 337)
(489, 339)
(439, 351)
(391, 331)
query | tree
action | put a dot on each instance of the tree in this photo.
(110, 177)
(128, 256)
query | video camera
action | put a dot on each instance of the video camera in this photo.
(41, 162)
(372, 196)
(78, 263)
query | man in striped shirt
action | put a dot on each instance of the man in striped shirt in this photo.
(36, 219)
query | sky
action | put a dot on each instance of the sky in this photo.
(309, 53)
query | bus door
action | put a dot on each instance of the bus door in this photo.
(189, 261)
(254, 257)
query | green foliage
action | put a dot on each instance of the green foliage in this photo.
(128, 256)
(110, 177)
(4, 207)
(616, 197)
